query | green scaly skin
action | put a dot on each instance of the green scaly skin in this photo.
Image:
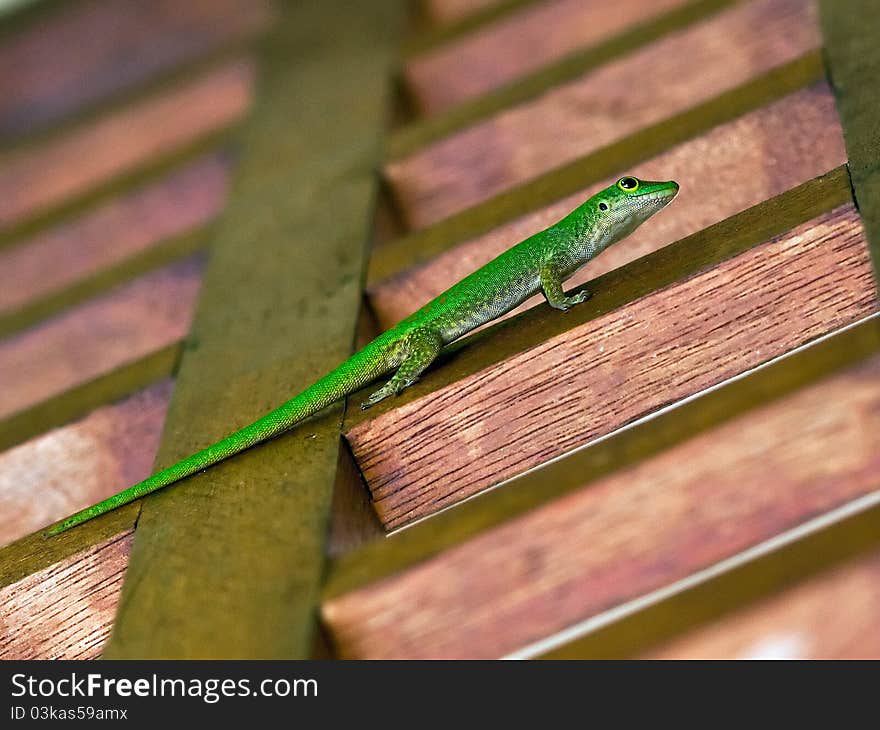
(540, 263)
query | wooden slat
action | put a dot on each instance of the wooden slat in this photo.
(37, 178)
(420, 246)
(518, 44)
(421, 131)
(78, 401)
(82, 53)
(228, 563)
(851, 29)
(67, 469)
(832, 616)
(722, 172)
(78, 258)
(686, 68)
(72, 620)
(34, 554)
(579, 385)
(756, 577)
(629, 533)
(99, 336)
(625, 448)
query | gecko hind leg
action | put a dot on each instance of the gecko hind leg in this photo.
(422, 347)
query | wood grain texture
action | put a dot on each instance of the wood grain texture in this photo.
(434, 451)
(69, 468)
(128, 225)
(516, 45)
(831, 616)
(99, 336)
(629, 533)
(722, 172)
(38, 177)
(65, 611)
(83, 53)
(672, 74)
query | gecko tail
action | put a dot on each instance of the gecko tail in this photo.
(357, 371)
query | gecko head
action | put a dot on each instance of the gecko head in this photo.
(624, 206)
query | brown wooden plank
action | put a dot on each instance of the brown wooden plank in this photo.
(99, 336)
(722, 172)
(831, 616)
(686, 68)
(86, 249)
(516, 45)
(433, 451)
(39, 177)
(82, 53)
(73, 619)
(625, 448)
(630, 533)
(69, 468)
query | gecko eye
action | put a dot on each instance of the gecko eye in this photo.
(628, 183)
(603, 206)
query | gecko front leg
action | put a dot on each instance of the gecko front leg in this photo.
(551, 285)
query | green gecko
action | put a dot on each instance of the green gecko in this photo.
(539, 263)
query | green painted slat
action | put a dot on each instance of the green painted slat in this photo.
(228, 564)
(852, 51)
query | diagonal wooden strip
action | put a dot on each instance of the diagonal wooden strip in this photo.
(624, 285)
(36, 178)
(623, 449)
(69, 468)
(420, 132)
(420, 246)
(851, 29)
(48, 72)
(722, 172)
(794, 624)
(684, 69)
(629, 533)
(78, 401)
(431, 26)
(95, 338)
(580, 385)
(516, 45)
(764, 575)
(65, 610)
(77, 259)
(228, 563)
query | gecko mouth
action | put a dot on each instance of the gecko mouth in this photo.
(664, 194)
(669, 192)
